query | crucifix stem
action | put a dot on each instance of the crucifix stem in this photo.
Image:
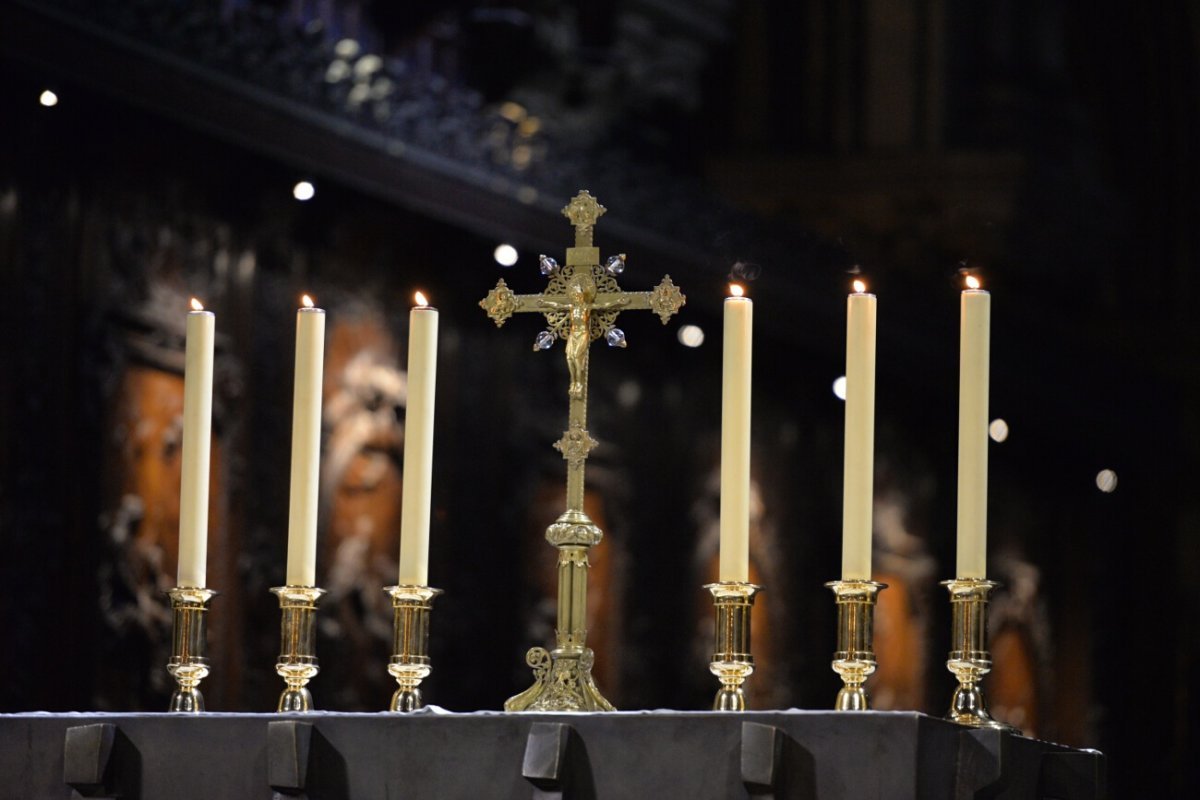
(577, 465)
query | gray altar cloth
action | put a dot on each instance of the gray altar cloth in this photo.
(808, 755)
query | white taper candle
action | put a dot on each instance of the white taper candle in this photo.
(418, 444)
(976, 316)
(197, 441)
(306, 446)
(859, 465)
(735, 438)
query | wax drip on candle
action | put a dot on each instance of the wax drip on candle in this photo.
(307, 301)
(735, 290)
(197, 305)
(421, 301)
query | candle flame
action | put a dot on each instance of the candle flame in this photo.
(197, 305)
(735, 290)
(421, 301)
(973, 282)
(307, 301)
(860, 286)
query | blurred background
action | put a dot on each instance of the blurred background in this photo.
(247, 151)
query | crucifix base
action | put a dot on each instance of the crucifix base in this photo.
(563, 676)
(562, 682)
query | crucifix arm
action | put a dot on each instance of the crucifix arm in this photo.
(607, 301)
(502, 302)
(539, 302)
(664, 300)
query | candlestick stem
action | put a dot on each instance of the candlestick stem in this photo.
(297, 663)
(969, 658)
(410, 663)
(188, 664)
(732, 661)
(854, 659)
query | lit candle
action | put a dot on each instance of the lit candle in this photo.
(418, 444)
(735, 438)
(197, 435)
(306, 446)
(859, 467)
(976, 316)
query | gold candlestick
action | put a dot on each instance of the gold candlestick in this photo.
(580, 304)
(188, 664)
(297, 663)
(410, 663)
(969, 657)
(732, 661)
(854, 659)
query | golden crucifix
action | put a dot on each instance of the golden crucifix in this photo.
(581, 304)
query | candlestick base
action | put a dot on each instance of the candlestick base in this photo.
(969, 658)
(410, 662)
(188, 664)
(854, 659)
(297, 663)
(732, 662)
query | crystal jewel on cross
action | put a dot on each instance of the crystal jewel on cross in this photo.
(615, 265)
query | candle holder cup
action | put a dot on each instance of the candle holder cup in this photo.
(188, 664)
(969, 658)
(297, 663)
(854, 659)
(410, 663)
(732, 661)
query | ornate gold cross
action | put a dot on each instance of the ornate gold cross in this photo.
(581, 304)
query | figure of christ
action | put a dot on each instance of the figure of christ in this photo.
(582, 301)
